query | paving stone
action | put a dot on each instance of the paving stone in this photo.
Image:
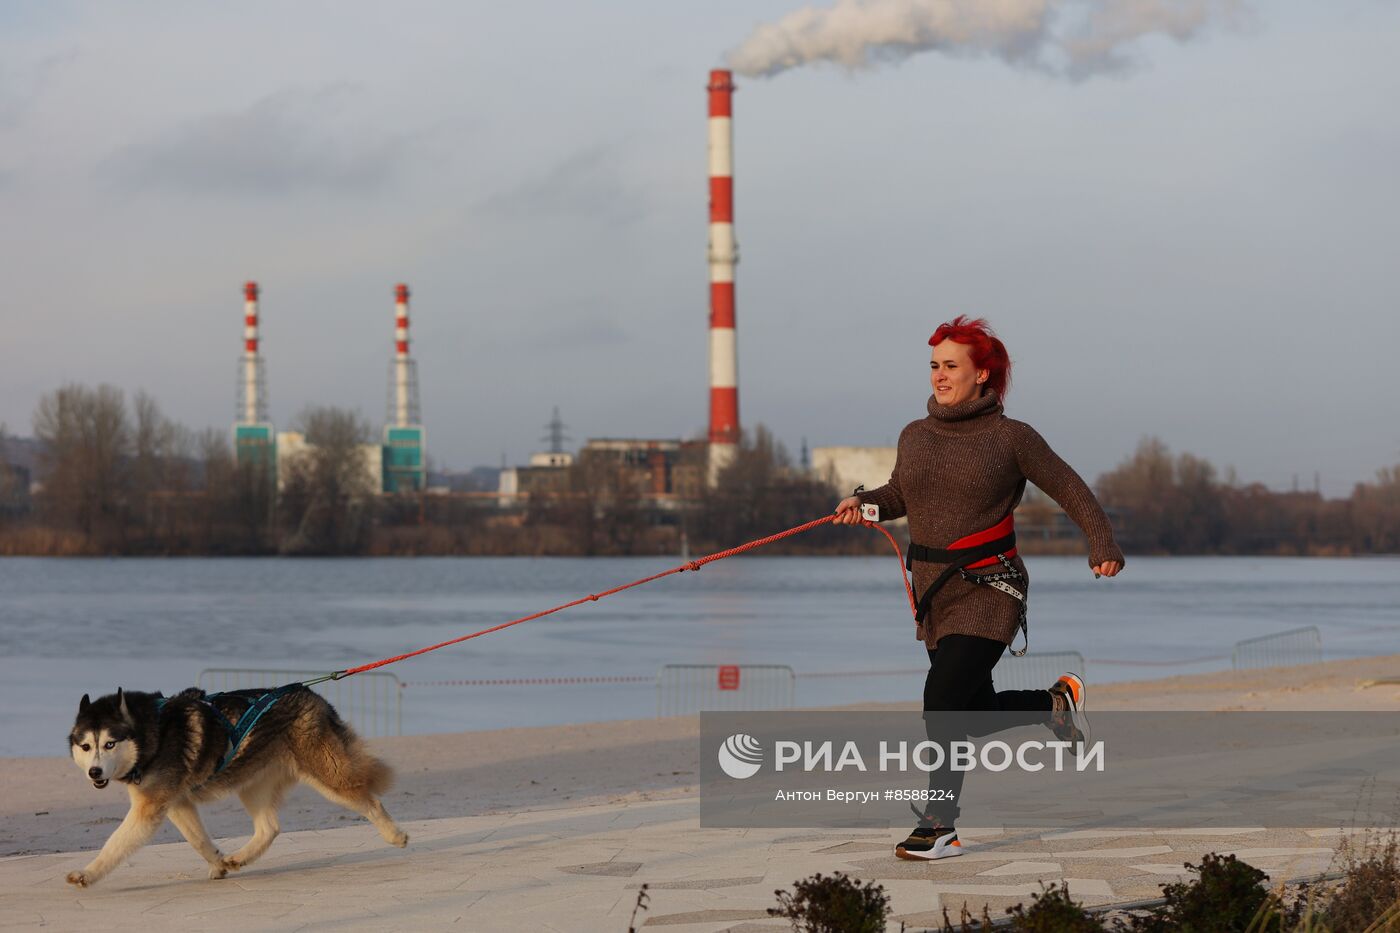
(605, 869)
(1023, 868)
(1162, 868)
(705, 916)
(706, 884)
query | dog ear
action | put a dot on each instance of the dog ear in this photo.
(121, 705)
(84, 704)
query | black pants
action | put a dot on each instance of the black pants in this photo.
(960, 678)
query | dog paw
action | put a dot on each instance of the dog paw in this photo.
(399, 840)
(80, 879)
(228, 863)
(218, 871)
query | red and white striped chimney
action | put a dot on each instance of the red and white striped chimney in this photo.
(253, 402)
(402, 376)
(724, 361)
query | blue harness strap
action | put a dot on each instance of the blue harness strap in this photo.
(246, 722)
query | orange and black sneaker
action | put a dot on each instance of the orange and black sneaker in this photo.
(1067, 720)
(927, 843)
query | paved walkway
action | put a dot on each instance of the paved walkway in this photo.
(578, 869)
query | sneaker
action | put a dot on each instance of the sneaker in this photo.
(1068, 721)
(927, 843)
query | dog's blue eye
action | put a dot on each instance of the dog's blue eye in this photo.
(109, 745)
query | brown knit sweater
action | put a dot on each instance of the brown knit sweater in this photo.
(961, 470)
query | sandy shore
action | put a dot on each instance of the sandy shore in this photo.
(49, 807)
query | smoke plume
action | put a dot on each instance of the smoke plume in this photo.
(1069, 38)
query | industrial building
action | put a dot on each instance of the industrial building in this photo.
(849, 467)
(662, 472)
(661, 469)
(397, 465)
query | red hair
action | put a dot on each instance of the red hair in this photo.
(986, 350)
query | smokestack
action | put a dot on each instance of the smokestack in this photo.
(724, 362)
(404, 464)
(402, 375)
(254, 407)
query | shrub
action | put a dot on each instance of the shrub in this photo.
(1225, 897)
(1052, 911)
(835, 904)
(1370, 884)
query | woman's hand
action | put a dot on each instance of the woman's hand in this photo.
(848, 511)
(1108, 568)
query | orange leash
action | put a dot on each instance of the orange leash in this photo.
(594, 597)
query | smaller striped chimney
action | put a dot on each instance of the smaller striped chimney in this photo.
(403, 415)
(254, 407)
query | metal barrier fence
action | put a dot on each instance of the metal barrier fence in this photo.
(371, 702)
(1035, 671)
(682, 689)
(1285, 649)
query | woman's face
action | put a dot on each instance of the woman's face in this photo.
(953, 376)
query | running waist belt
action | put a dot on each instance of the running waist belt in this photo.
(995, 545)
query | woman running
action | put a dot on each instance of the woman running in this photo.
(958, 475)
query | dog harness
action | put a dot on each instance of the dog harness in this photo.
(235, 733)
(984, 548)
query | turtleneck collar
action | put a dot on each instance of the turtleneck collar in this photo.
(964, 417)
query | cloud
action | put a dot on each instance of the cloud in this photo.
(1071, 38)
(21, 88)
(290, 142)
(588, 184)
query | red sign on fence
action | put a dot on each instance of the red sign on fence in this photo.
(729, 677)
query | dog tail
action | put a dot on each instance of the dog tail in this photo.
(378, 776)
(339, 759)
(368, 772)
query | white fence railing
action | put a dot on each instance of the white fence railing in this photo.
(1035, 671)
(371, 702)
(689, 688)
(1285, 649)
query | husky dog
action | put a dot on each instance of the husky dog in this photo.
(170, 755)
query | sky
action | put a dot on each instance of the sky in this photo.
(1199, 244)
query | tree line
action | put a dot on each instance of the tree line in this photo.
(1179, 504)
(122, 478)
(115, 478)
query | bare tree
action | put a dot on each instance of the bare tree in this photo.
(327, 501)
(1375, 512)
(160, 470)
(8, 483)
(85, 440)
(1142, 487)
(760, 492)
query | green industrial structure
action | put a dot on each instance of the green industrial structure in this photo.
(257, 445)
(404, 466)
